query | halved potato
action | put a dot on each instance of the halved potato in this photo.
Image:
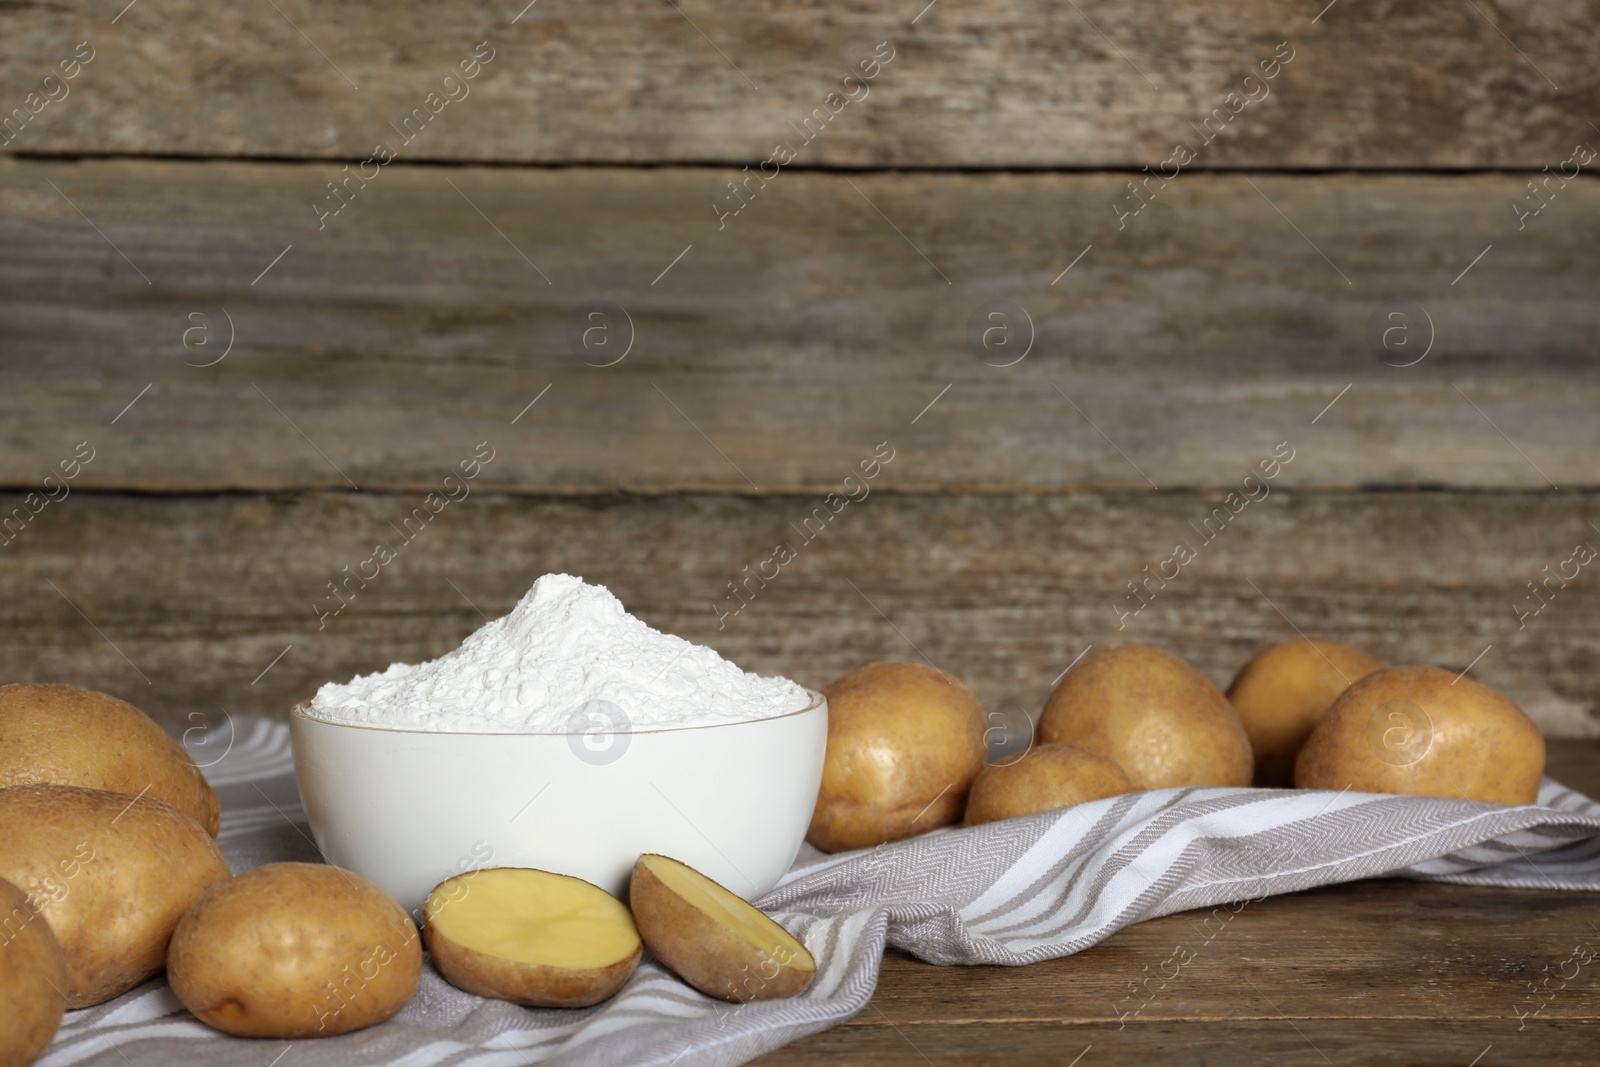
(112, 874)
(532, 937)
(713, 939)
(64, 735)
(33, 980)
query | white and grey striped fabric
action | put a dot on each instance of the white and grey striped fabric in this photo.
(1007, 893)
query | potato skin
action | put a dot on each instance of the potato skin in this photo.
(1158, 717)
(1283, 693)
(526, 983)
(904, 743)
(112, 874)
(1468, 741)
(715, 960)
(292, 950)
(532, 984)
(33, 975)
(63, 735)
(1045, 778)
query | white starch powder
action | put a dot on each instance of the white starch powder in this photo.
(566, 644)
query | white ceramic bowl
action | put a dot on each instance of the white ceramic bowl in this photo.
(410, 808)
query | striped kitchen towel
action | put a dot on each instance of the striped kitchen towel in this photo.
(1007, 893)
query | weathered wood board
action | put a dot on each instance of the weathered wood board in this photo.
(1264, 1040)
(1380, 972)
(982, 83)
(1374, 972)
(195, 604)
(833, 313)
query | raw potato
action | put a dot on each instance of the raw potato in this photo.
(1424, 731)
(293, 950)
(63, 735)
(1045, 778)
(1283, 693)
(536, 938)
(904, 743)
(33, 977)
(112, 874)
(713, 939)
(1154, 714)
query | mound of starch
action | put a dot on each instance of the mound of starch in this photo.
(539, 669)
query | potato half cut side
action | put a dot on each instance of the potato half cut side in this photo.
(713, 939)
(532, 937)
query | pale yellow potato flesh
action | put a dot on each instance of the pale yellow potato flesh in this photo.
(112, 874)
(64, 735)
(530, 936)
(712, 938)
(33, 979)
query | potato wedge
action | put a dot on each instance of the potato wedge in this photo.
(112, 874)
(63, 735)
(295, 950)
(713, 939)
(532, 937)
(33, 980)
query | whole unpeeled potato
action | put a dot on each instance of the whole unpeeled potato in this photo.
(33, 978)
(293, 950)
(904, 743)
(112, 874)
(1158, 717)
(1424, 731)
(1283, 693)
(63, 735)
(1045, 778)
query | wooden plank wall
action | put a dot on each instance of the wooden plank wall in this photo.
(679, 269)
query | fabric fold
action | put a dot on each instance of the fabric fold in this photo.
(1008, 894)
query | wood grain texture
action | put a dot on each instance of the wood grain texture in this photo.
(1020, 83)
(1352, 972)
(217, 600)
(1265, 1041)
(1375, 972)
(1376, 949)
(771, 355)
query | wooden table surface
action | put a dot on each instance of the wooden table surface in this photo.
(1373, 972)
(268, 387)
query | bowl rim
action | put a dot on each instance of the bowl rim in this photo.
(302, 710)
